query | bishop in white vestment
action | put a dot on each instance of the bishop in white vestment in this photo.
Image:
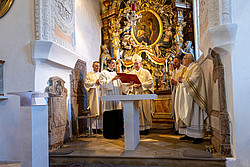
(191, 102)
(92, 86)
(146, 87)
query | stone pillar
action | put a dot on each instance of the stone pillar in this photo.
(59, 131)
(219, 114)
(78, 94)
(10, 129)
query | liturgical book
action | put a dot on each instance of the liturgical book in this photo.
(127, 78)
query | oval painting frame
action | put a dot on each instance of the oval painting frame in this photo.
(4, 8)
(149, 30)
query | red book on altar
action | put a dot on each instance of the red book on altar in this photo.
(127, 78)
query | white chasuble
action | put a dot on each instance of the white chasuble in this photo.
(145, 106)
(110, 87)
(191, 102)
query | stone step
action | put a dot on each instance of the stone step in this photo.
(109, 161)
(10, 164)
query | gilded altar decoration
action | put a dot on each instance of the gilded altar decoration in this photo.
(155, 30)
(5, 6)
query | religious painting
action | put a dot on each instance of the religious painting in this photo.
(149, 30)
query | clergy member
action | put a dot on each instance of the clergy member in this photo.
(92, 86)
(191, 101)
(178, 72)
(112, 116)
(146, 87)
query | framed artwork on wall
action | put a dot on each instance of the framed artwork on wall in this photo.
(149, 30)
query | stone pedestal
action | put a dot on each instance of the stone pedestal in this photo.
(33, 140)
(10, 128)
(131, 116)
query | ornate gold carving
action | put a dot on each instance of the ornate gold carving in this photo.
(5, 6)
(157, 50)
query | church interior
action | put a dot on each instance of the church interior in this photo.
(48, 48)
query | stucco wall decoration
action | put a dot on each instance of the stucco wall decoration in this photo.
(55, 21)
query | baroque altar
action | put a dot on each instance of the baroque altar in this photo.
(156, 30)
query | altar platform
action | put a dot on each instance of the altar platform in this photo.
(155, 149)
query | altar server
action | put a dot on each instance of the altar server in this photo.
(112, 116)
(92, 86)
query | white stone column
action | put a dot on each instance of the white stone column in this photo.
(10, 128)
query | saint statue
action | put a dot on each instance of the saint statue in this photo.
(104, 57)
(165, 42)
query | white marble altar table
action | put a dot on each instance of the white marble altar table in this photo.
(131, 116)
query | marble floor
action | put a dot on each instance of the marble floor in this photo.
(155, 149)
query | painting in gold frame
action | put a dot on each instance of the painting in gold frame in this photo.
(149, 30)
(5, 6)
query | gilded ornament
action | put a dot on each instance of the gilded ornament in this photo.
(5, 6)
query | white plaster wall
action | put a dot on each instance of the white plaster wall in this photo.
(46, 70)
(17, 29)
(241, 81)
(88, 31)
(219, 34)
(208, 14)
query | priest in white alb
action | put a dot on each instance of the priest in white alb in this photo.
(191, 102)
(92, 86)
(146, 87)
(178, 72)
